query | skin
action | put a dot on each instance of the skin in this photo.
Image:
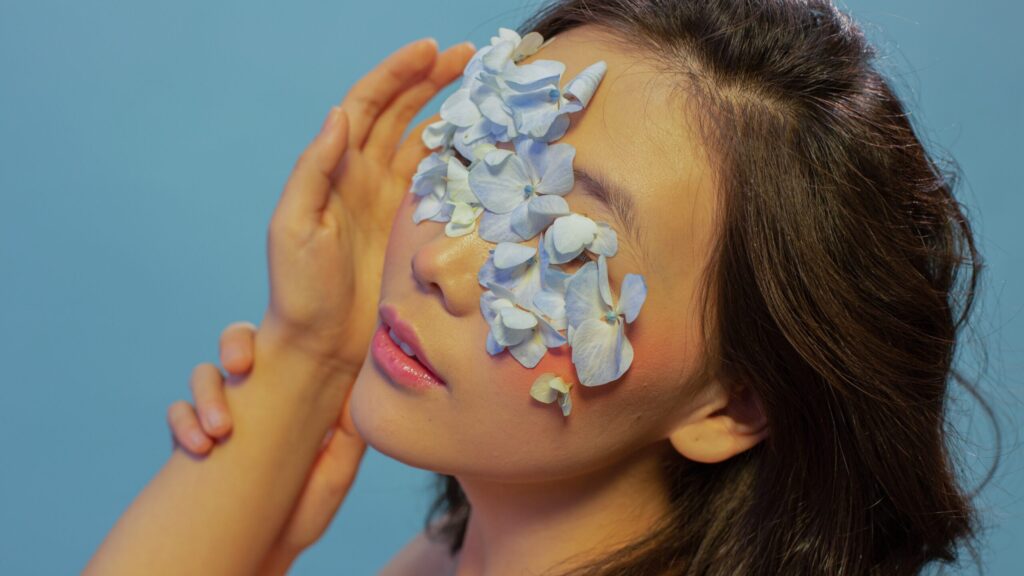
(546, 489)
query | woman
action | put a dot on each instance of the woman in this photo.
(803, 260)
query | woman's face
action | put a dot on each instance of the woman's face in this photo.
(484, 423)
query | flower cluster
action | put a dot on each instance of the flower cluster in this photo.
(517, 194)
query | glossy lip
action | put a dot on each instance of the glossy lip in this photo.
(405, 331)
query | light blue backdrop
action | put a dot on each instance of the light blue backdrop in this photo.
(142, 149)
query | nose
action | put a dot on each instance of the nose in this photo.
(450, 265)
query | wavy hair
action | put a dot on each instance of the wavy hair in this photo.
(842, 274)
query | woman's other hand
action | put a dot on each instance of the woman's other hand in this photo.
(327, 236)
(196, 428)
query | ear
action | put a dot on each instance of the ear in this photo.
(727, 423)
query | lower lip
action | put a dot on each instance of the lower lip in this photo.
(401, 368)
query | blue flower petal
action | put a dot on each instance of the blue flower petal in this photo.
(555, 169)
(509, 254)
(606, 242)
(518, 221)
(529, 77)
(427, 207)
(496, 228)
(582, 298)
(492, 345)
(459, 109)
(602, 278)
(632, 295)
(499, 187)
(529, 351)
(549, 334)
(594, 352)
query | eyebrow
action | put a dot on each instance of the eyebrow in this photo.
(619, 202)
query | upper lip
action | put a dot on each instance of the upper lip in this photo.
(406, 332)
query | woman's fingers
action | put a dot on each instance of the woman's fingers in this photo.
(207, 385)
(393, 121)
(372, 93)
(185, 429)
(309, 185)
(411, 151)
(236, 347)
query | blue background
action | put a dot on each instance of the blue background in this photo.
(142, 149)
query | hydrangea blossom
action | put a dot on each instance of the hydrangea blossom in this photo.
(518, 194)
(600, 350)
(527, 274)
(499, 100)
(522, 190)
(517, 326)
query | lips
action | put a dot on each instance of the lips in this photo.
(407, 334)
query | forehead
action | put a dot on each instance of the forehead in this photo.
(636, 132)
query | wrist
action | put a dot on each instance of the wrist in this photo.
(277, 562)
(309, 354)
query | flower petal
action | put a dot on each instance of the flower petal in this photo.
(571, 234)
(459, 109)
(540, 211)
(462, 219)
(492, 345)
(555, 169)
(605, 242)
(541, 389)
(517, 319)
(499, 181)
(582, 298)
(594, 352)
(528, 77)
(602, 278)
(583, 85)
(565, 402)
(427, 207)
(632, 295)
(509, 254)
(498, 228)
(438, 134)
(529, 351)
(549, 334)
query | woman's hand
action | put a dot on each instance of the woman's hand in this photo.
(328, 233)
(197, 428)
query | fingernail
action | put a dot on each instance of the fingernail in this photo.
(431, 40)
(214, 419)
(198, 439)
(329, 121)
(470, 44)
(231, 355)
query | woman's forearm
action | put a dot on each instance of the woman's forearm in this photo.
(220, 515)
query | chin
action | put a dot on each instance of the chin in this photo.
(397, 423)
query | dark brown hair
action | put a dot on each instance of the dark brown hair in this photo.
(842, 275)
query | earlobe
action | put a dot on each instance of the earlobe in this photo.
(725, 426)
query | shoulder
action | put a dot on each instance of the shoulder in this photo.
(421, 556)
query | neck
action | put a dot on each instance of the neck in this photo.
(528, 528)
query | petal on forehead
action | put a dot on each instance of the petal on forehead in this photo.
(534, 75)
(583, 85)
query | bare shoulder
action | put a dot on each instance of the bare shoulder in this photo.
(421, 556)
